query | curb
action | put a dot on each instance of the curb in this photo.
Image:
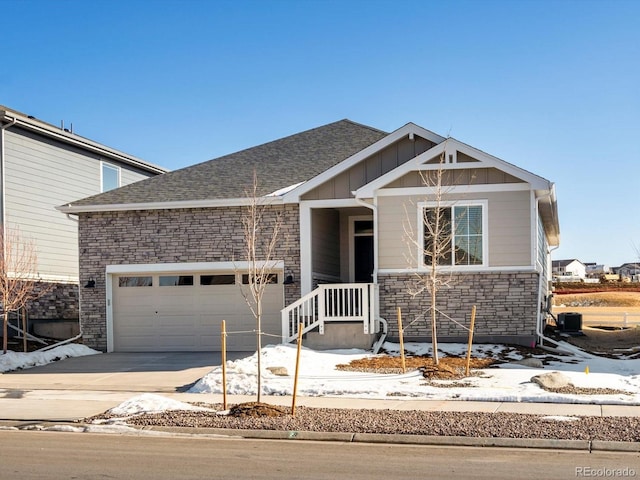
(346, 437)
(400, 439)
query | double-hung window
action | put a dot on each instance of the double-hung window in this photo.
(453, 234)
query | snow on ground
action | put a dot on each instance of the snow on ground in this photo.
(18, 360)
(509, 382)
(506, 383)
(150, 403)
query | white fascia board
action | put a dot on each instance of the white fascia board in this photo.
(537, 182)
(331, 203)
(551, 219)
(294, 195)
(189, 267)
(485, 160)
(51, 131)
(458, 189)
(122, 207)
(282, 191)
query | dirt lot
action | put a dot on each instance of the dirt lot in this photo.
(598, 299)
(602, 334)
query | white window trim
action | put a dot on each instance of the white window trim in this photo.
(118, 170)
(450, 204)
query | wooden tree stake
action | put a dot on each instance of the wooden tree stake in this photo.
(295, 377)
(401, 335)
(224, 365)
(473, 320)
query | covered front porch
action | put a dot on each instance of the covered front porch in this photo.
(339, 292)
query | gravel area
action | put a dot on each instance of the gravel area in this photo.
(496, 425)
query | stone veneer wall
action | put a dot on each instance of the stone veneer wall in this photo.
(60, 302)
(506, 303)
(168, 236)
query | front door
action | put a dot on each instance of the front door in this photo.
(362, 249)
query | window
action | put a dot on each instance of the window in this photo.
(135, 281)
(229, 279)
(176, 280)
(461, 235)
(272, 278)
(110, 177)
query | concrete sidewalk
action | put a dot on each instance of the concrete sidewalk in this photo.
(72, 405)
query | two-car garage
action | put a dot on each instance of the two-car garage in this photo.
(178, 309)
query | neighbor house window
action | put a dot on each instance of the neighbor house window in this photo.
(461, 240)
(110, 177)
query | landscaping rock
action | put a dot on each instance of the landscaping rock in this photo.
(552, 380)
(279, 371)
(530, 362)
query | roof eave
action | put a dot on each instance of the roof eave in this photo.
(174, 205)
(548, 204)
(20, 120)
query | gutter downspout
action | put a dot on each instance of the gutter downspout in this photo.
(539, 327)
(374, 208)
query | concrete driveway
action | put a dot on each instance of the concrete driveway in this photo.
(131, 372)
(79, 387)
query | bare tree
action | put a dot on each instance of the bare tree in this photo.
(433, 246)
(18, 275)
(262, 226)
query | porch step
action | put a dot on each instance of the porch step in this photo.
(339, 335)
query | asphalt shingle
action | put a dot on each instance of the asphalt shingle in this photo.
(278, 164)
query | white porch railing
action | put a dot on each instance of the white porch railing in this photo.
(352, 302)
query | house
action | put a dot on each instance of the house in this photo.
(630, 270)
(41, 167)
(572, 269)
(165, 254)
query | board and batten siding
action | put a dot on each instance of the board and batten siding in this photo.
(369, 169)
(42, 174)
(509, 236)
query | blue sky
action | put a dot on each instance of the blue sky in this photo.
(551, 86)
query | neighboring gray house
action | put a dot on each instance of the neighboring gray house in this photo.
(629, 270)
(41, 167)
(166, 253)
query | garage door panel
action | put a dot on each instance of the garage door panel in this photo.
(181, 342)
(188, 318)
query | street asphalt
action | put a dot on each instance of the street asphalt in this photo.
(76, 388)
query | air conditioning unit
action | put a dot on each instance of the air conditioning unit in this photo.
(570, 322)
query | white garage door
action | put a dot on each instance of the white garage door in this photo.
(183, 312)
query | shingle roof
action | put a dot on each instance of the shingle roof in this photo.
(278, 164)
